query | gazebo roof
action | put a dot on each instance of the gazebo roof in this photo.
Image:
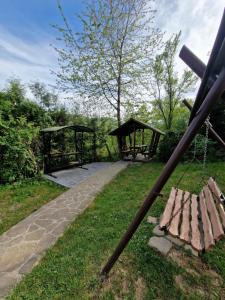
(131, 125)
(78, 128)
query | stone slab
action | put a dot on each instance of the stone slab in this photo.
(152, 220)
(189, 248)
(157, 231)
(175, 241)
(161, 244)
(71, 177)
(28, 266)
(7, 282)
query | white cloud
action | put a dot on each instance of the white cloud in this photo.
(197, 19)
(26, 60)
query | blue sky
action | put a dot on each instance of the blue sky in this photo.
(26, 34)
(22, 17)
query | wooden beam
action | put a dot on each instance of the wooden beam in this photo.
(194, 63)
(212, 132)
(166, 218)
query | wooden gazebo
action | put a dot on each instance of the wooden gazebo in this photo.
(64, 147)
(132, 139)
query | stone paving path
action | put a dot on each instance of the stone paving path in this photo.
(22, 247)
(70, 177)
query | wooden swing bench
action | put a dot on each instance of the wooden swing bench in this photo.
(196, 220)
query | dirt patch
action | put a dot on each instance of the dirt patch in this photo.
(139, 289)
(187, 289)
(122, 283)
(198, 278)
(185, 262)
(14, 207)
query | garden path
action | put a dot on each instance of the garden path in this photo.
(73, 176)
(22, 246)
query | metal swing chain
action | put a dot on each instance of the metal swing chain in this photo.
(189, 164)
(195, 146)
(207, 122)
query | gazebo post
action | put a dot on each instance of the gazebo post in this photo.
(94, 147)
(120, 145)
(156, 142)
(75, 142)
(130, 140)
(143, 137)
(49, 152)
(134, 143)
(151, 144)
(44, 152)
(82, 148)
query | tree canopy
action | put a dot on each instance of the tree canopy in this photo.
(111, 57)
(168, 87)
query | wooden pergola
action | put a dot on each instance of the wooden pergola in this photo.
(56, 155)
(132, 139)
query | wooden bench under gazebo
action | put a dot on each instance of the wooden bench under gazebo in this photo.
(64, 146)
(134, 140)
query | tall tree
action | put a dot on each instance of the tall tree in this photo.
(111, 57)
(45, 98)
(168, 88)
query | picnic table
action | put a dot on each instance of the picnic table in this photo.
(137, 149)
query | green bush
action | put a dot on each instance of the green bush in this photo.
(196, 149)
(16, 154)
(168, 144)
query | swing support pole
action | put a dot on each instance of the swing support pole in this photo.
(212, 132)
(200, 117)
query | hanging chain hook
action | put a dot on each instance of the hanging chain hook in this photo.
(207, 122)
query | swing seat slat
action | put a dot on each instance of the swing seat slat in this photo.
(169, 208)
(196, 220)
(213, 214)
(207, 227)
(218, 196)
(195, 231)
(185, 225)
(173, 227)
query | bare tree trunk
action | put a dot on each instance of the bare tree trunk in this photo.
(118, 115)
(118, 100)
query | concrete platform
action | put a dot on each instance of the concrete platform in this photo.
(71, 177)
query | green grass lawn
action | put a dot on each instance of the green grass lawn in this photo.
(20, 199)
(70, 270)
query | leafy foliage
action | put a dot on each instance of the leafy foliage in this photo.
(46, 99)
(20, 121)
(110, 58)
(168, 87)
(16, 154)
(196, 151)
